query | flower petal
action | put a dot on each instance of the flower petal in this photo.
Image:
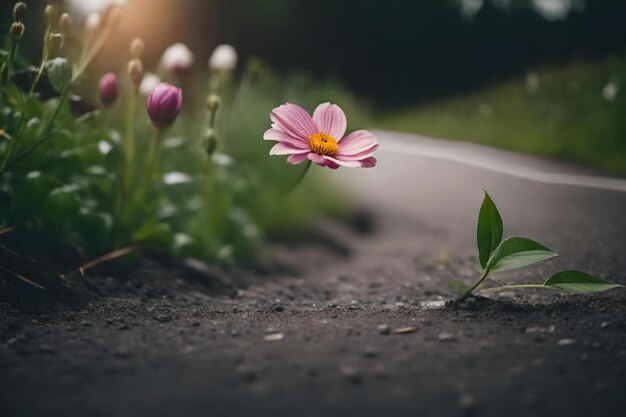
(366, 153)
(294, 120)
(356, 142)
(280, 136)
(329, 118)
(296, 158)
(369, 162)
(323, 161)
(350, 164)
(318, 159)
(332, 165)
(284, 148)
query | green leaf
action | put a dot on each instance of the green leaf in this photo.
(158, 234)
(517, 252)
(490, 229)
(578, 283)
(61, 205)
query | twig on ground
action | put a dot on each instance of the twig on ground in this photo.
(6, 230)
(107, 258)
(22, 278)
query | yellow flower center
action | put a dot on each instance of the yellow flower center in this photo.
(323, 144)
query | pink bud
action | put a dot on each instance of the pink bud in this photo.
(108, 89)
(164, 104)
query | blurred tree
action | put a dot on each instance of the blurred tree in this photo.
(396, 51)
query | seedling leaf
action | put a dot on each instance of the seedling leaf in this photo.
(490, 229)
(577, 282)
(517, 252)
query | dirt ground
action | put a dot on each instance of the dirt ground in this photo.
(351, 324)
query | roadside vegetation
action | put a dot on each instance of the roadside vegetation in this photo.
(572, 112)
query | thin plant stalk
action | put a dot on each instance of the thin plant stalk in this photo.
(476, 284)
(129, 143)
(300, 178)
(520, 287)
(154, 157)
(210, 189)
(45, 134)
(11, 57)
(44, 58)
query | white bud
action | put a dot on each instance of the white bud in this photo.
(224, 58)
(135, 71)
(137, 46)
(65, 24)
(610, 90)
(92, 23)
(83, 7)
(177, 58)
(149, 83)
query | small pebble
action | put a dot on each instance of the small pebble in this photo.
(384, 329)
(540, 330)
(370, 352)
(446, 337)
(467, 403)
(163, 318)
(187, 349)
(12, 341)
(47, 349)
(351, 375)
(247, 374)
(566, 342)
(404, 330)
(278, 308)
(122, 353)
(274, 337)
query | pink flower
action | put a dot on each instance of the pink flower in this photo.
(108, 89)
(320, 138)
(164, 105)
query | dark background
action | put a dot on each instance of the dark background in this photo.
(395, 52)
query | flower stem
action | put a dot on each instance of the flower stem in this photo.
(9, 61)
(210, 197)
(129, 144)
(301, 177)
(45, 134)
(44, 57)
(130, 203)
(154, 159)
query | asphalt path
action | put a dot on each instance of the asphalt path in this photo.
(573, 210)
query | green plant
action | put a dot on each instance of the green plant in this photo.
(93, 176)
(497, 255)
(563, 112)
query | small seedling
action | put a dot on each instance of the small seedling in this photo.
(496, 255)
